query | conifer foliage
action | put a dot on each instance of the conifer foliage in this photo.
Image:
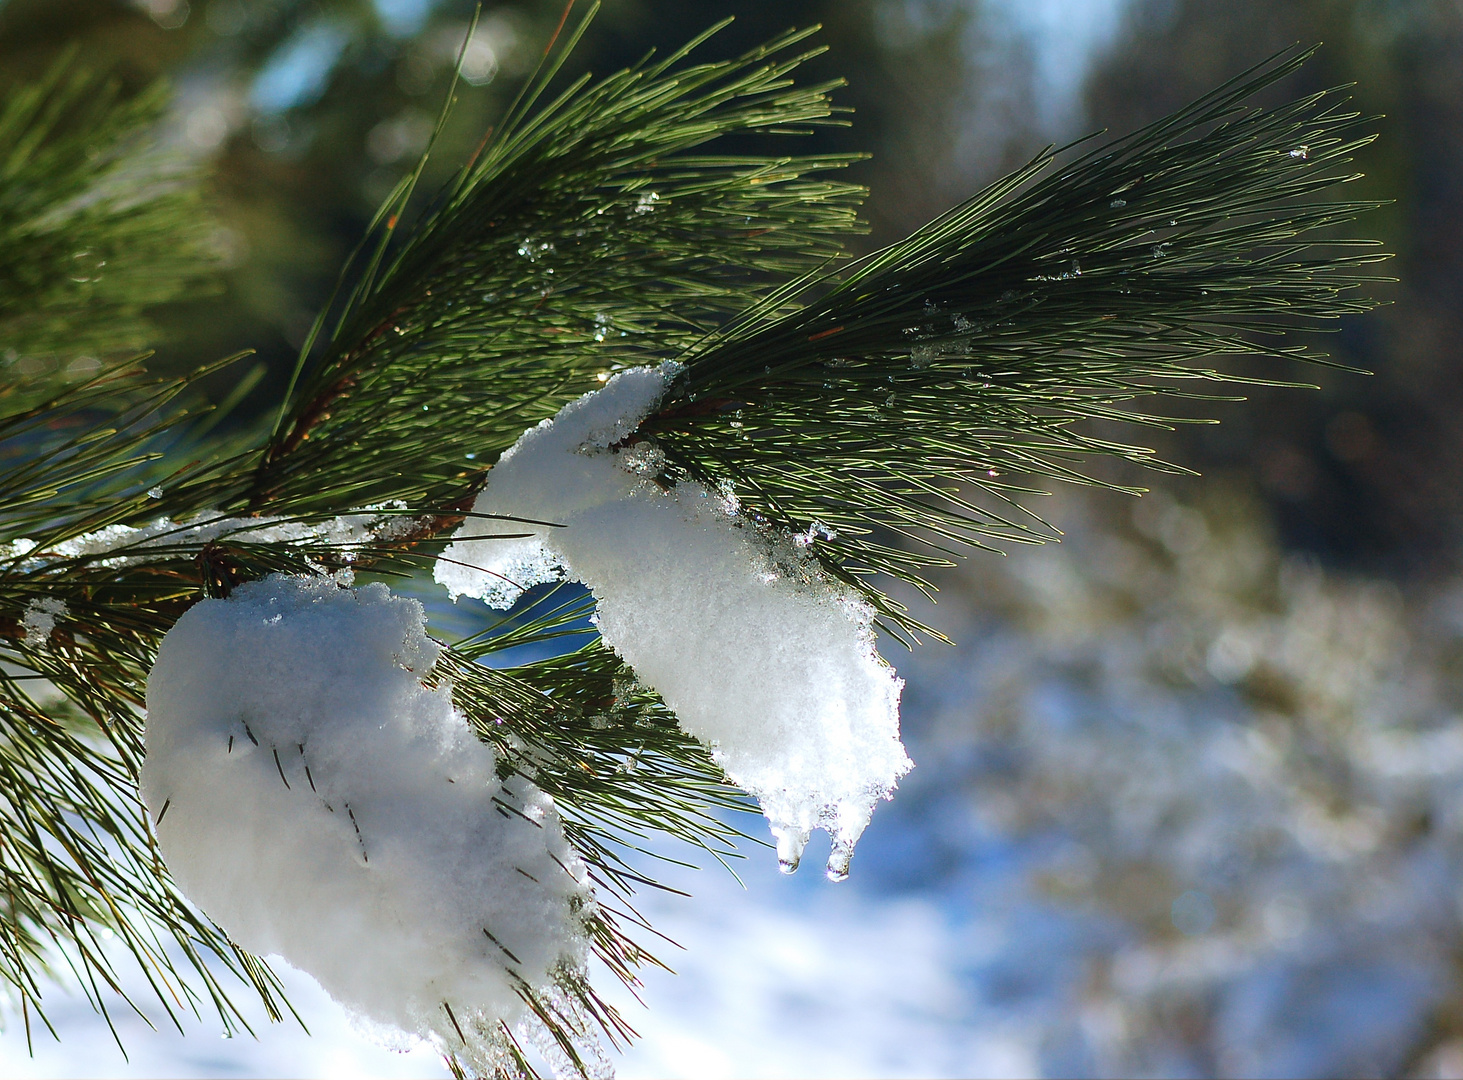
(845, 421)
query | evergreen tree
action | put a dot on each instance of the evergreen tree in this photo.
(857, 420)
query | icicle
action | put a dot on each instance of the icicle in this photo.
(762, 658)
(298, 774)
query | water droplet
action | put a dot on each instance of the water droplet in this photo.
(790, 850)
(1301, 152)
(838, 861)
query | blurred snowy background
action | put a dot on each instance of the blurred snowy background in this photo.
(1189, 788)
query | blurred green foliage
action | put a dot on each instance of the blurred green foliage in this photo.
(95, 228)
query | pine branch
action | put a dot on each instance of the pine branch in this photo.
(587, 234)
(855, 406)
(898, 411)
(77, 861)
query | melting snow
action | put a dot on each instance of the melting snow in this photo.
(349, 530)
(762, 658)
(318, 802)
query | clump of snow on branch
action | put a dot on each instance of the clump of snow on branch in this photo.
(319, 802)
(760, 656)
(40, 618)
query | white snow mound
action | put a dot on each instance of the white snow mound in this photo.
(763, 659)
(319, 803)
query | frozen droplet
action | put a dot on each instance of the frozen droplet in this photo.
(790, 847)
(922, 355)
(838, 861)
(155, 493)
(1301, 152)
(1118, 204)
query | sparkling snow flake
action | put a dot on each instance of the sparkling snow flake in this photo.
(762, 658)
(318, 802)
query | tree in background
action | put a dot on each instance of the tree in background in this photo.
(711, 375)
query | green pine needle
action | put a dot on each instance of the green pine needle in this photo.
(905, 403)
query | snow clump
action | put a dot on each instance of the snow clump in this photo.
(40, 618)
(127, 545)
(760, 656)
(320, 803)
